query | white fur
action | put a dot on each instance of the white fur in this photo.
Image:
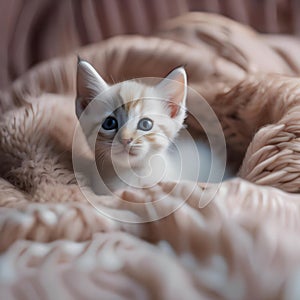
(147, 160)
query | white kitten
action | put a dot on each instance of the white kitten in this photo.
(134, 125)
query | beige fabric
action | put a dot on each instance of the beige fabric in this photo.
(242, 245)
(37, 30)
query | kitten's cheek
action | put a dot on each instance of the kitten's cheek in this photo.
(160, 144)
(145, 148)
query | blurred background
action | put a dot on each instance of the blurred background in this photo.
(35, 30)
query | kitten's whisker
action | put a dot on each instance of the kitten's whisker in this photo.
(99, 154)
(100, 157)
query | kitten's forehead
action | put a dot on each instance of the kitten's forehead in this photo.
(126, 96)
(139, 99)
(131, 101)
(131, 90)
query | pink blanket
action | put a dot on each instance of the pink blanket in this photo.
(243, 244)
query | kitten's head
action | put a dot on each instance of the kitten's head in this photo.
(135, 120)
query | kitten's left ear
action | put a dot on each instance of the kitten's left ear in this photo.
(174, 89)
(89, 84)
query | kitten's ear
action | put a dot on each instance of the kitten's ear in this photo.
(174, 89)
(89, 84)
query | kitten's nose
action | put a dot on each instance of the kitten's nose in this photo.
(126, 142)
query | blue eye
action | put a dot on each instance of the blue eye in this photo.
(110, 123)
(145, 124)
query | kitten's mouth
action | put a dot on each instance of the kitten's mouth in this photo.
(130, 151)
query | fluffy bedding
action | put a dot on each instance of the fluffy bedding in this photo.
(236, 240)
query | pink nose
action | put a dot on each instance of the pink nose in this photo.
(126, 142)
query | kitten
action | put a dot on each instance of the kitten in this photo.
(135, 123)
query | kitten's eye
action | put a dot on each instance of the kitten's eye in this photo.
(145, 124)
(110, 123)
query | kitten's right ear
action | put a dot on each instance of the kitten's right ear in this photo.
(89, 84)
